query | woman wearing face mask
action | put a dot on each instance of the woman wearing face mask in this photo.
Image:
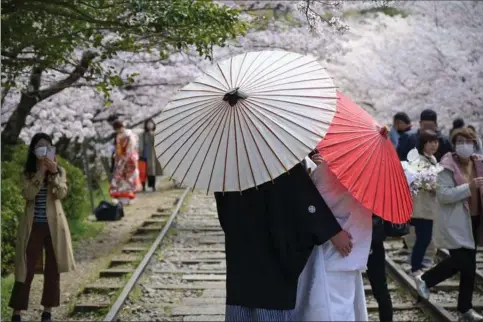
(458, 224)
(43, 226)
(147, 155)
(425, 203)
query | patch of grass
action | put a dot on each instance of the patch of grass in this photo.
(388, 11)
(84, 229)
(186, 202)
(291, 21)
(171, 231)
(168, 311)
(160, 256)
(7, 284)
(351, 13)
(136, 293)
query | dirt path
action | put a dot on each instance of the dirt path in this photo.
(93, 254)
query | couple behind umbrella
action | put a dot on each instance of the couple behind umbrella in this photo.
(283, 234)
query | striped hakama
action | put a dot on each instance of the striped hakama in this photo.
(242, 313)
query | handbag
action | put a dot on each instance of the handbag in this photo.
(142, 166)
(107, 211)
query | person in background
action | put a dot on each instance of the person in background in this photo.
(409, 140)
(400, 124)
(479, 150)
(125, 180)
(458, 123)
(110, 120)
(331, 287)
(458, 225)
(43, 226)
(147, 154)
(376, 271)
(425, 208)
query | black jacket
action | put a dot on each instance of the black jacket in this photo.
(269, 236)
(378, 233)
(409, 140)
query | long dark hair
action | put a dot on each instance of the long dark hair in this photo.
(31, 164)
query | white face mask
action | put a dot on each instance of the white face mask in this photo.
(465, 150)
(41, 151)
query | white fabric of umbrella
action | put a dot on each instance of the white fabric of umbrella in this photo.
(246, 121)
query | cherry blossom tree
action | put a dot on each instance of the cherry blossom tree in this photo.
(78, 113)
(430, 59)
(327, 13)
(48, 45)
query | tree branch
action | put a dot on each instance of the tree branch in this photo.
(76, 74)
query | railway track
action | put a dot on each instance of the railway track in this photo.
(182, 276)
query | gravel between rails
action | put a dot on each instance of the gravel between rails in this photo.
(180, 262)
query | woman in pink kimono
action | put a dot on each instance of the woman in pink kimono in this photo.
(125, 180)
(331, 287)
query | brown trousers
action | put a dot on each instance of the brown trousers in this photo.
(39, 240)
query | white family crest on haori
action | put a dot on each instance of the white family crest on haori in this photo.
(246, 121)
(421, 175)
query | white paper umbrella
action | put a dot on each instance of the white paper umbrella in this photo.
(246, 121)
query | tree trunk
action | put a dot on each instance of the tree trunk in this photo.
(16, 121)
(28, 100)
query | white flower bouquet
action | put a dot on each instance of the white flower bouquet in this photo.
(420, 174)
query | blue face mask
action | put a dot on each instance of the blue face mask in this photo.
(41, 151)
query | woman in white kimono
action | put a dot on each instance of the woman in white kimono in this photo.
(331, 287)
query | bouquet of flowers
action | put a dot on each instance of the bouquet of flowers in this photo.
(420, 175)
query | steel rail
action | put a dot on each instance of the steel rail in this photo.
(437, 312)
(119, 303)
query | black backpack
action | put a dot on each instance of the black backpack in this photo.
(107, 211)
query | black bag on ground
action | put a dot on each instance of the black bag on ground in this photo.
(107, 211)
(396, 230)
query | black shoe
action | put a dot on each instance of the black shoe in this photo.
(16, 318)
(46, 317)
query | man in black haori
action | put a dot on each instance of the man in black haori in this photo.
(270, 232)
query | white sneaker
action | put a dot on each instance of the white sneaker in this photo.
(470, 316)
(421, 287)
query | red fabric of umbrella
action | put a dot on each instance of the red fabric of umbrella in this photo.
(358, 151)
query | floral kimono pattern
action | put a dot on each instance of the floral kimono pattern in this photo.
(125, 180)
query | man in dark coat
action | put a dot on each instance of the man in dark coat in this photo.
(409, 140)
(270, 232)
(401, 123)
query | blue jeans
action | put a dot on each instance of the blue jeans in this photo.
(424, 233)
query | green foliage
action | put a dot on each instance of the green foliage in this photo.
(7, 285)
(388, 11)
(12, 207)
(76, 204)
(48, 34)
